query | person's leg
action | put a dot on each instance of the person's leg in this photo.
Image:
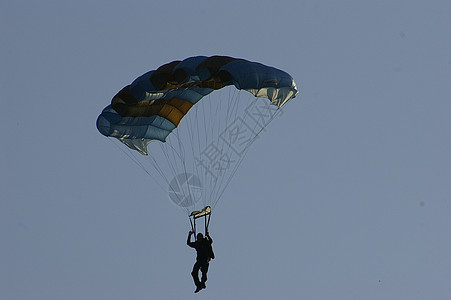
(195, 273)
(204, 270)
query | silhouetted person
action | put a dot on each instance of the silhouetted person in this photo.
(204, 254)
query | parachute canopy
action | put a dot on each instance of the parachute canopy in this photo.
(202, 142)
(154, 104)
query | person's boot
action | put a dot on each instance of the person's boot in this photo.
(199, 287)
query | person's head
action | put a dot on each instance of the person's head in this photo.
(200, 236)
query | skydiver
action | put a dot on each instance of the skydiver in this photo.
(204, 255)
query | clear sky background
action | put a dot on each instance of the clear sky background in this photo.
(346, 196)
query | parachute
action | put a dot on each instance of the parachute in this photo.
(194, 147)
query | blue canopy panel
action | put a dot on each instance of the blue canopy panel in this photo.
(143, 90)
(135, 132)
(188, 66)
(262, 81)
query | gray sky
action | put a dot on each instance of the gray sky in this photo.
(346, 196)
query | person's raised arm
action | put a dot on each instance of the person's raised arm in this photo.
(207, 234)
(188, 240)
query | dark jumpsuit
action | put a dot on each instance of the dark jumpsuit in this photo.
(204, 254)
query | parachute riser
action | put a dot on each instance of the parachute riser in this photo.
(193, 225)
(206, 213)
